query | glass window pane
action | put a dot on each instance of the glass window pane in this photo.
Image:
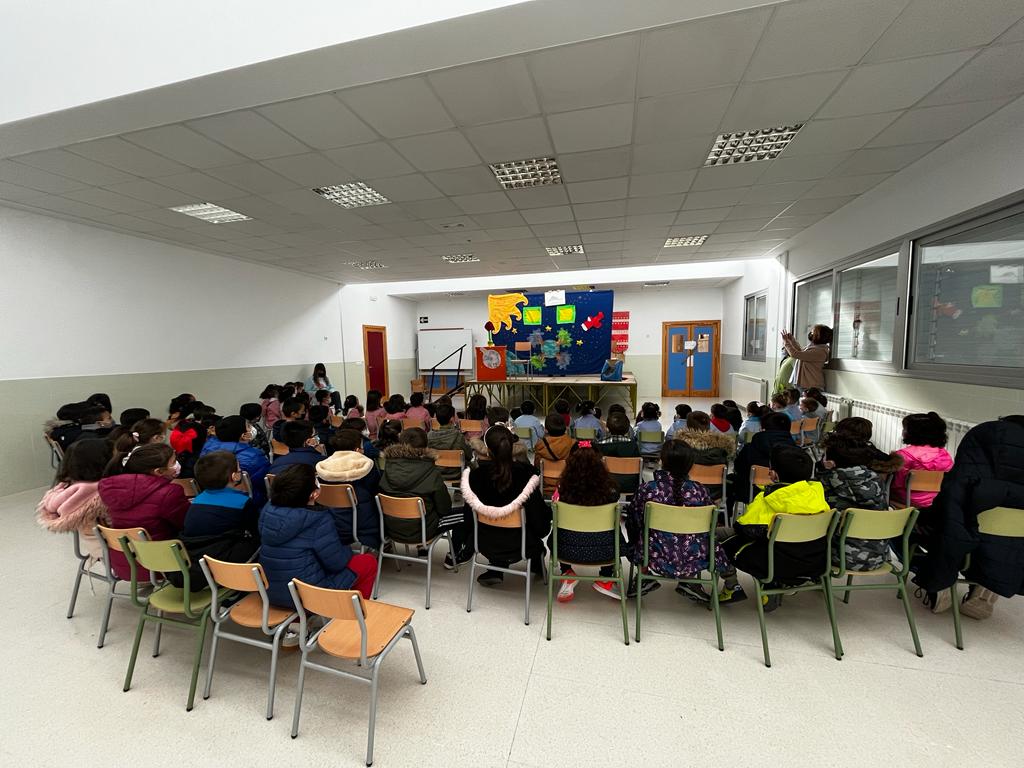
(867, 310)
(755, 327)
(969, 297)
(813, 305)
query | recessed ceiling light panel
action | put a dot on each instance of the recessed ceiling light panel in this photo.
(688, 240)
(460, 258)
(366, 264)
(750, 146)
(533, 172)
(660, 284)
(564, 250)
(214, 214)
(354, 195)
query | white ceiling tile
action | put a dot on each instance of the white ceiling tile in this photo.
(651, 184)
(777, 193)
(513, 140)
(658, 204)
(822, 136)
(34, 178)
(249, 133)
(70, 207)
(512, 233)
(783, 101)
(892, 85)
(311, 169)
(117, 152)
(154, 194)
(437, 151)
(702, 215)
(726, 176)
(935, 123)
(593, 238)
(595, 128)
(764, 210)
(699, 54)
(847, 185)
(818, 35)
(555, 229)
(487, 202)
(464, 181)
(401, 188)
(586, 74)
(591, 226)
(432, 209)
(802, 168)
(106, 199)
(410, 228)
(666, 118)
(499, 219)
(781, 233)
(548, 215)
(539, 197)
(650, 221)
(683, 155)
(370, 161)
(819, 205)
(603, 210)
(398, 107)
(791, 222)
(730, 237)
(487, 92)
(184, 145)
(882, 159)
(598, 164)
(1014, 34)
(741, 225)
(133, 223)
(933, 26)
(169, 219)
(994, 74)
(62, 162)
(717, 198)
(321, 121)
(201, 187)
(252, 177)
(389, 214)
(17, 194)
(596, 191)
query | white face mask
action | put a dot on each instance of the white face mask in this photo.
(252, 432)
(176, 469)
(366, 432)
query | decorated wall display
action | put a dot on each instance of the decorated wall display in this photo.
(620, 332)
(573, 337)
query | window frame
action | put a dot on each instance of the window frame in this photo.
(762, 294)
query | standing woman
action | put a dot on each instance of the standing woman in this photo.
(319, 380)
(810, 361)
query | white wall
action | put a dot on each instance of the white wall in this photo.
(84, 301)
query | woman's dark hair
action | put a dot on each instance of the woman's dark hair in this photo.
(414, 437)
(561, 405)
(101, 399)
(416, 399)
(817, 395)
(269, 391)
(820, 334)
(373, 400)
(320, 370)
(856, 427)
(585, 408)
(499, 446)
(682, 411)
(698, 421)
(388, 433)
(618, 424)
(925, 429)
(775, 421)
(139, 433)
(143, 460)
(84, 461)
(351, 401)
(293, 486)
(586, 481)
(677, 459)
(250, 411)
(554, 425)
(476, 408)
(650, 412)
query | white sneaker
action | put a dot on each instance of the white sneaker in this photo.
(979, 603)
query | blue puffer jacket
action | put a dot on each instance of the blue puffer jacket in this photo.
(250, 460)
(302, 543)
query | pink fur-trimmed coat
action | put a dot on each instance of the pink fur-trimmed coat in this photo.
(487, 502)
(71, 507)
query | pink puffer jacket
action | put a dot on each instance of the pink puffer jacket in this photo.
(71, 507)
(918, 457)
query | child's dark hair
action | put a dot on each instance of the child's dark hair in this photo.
(179, 402)
(554, 425)
(269, 391)
(755, 409)
(476, 408)
(395, 404)
(388, 433)
(730, 404)
(586, 481)
(304, 398)
(294, 434)
(617, 408)
(792, 395)
(515, 413)
(682, 411)
(791, 464)
(809, 403)
(351, 401)
(925, 429)
(677, 459)
(444, 413)
(346, 440)
(287, 393)
(414, 437)
(214, 470)
(618, 424)
(102, 399)
(561, 405)
(650, 411)
(131, 415)
(856, 427)
(496, 414)
(250, 411)
(84, 461)
(373, 400)
(230, 429)
(293, 406)
(719, 411)
(140, 433)
(527, 407)
(698, 421)
(499, 445)
(818, 395)
(846, 451)
(780, 400)
(585, 408)
(318, 414)
(141, 460)
(293, 486)
(416, 400)
(355, 423)
(775, 421)
(322, 396)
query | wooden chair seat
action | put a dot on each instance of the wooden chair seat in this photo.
(248, 612)
(341, 638)
(879, 571)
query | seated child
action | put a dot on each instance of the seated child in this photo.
(649, 420)
(292, 410)
(351, 409)
(375, 413)
(476, 410)
(529, 420)
(924, 438)
(388, 434)
(733, 415)
(793, 403)
(300, 541)
(554, 446)
(73, 503)
(710, 447)
(417, 411)
(323, 397)
(448, 437)
(270, 405)
(679, 420)
(302, 443)
(620, 408)
(779, 404)
(620, 445)
(252, 412)
(792, 492)
(561, 407)
(232, 435)
(394, 408)
(359, 425)
(499, 415)
(349, 465)
(752, 424)
(320, 418)
(586, 419)
(719, 421)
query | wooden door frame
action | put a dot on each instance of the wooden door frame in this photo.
(715, 361)
(366, 358)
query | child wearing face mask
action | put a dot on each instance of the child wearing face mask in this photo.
(232, 434)
(138, 493)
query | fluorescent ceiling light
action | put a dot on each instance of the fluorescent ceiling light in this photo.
(533, 172)
(371, 264)
(750, 146)
(460, 258)
(688, 240)
(354, 195)
(656, 285)
(214, 214)
(564, 250)
(456, 293)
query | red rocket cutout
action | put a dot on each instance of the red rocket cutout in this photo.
(592, 322)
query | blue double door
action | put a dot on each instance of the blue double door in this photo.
(690, 358)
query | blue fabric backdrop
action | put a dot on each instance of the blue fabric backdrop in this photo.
(562, 346)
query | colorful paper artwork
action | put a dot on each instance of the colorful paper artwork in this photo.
(503, 307)
(565, 314)
(987, 296)
(532, 315)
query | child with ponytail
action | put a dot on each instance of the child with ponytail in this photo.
(924, 438)
(73, 503)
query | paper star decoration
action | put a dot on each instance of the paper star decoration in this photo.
(579, 342)
(515, 330)
(547, 327)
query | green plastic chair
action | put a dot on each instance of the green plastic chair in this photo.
(878, 525)
(166, 557)
(585, 433)
(998, 521)
(666, 518)
(526, 435)
(652, 436)
(602, 519)
(798, 529)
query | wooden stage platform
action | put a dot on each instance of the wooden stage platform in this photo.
(545, 390)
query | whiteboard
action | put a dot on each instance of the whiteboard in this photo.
(432, 346)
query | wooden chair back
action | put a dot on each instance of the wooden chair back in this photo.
(332, 603)
(760, 476)
(515, 520)
(402, 508)
(471, 425)
(240, 577)
(337, 496)
(336, 420)
(552, 470)
(188, 485)
(926, 480)
(113, 536)
(412, 424)
(624, 465)
(278, 448)
(448, 459)
(713, 474)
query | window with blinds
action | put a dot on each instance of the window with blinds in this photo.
(755, 327)
(813, 305)
(867, 304)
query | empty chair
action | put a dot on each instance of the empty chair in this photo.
(110, 539)
(516, 361)
(411, 508)
(253, 611)
(357, 630)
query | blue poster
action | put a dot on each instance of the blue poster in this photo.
(573, 338)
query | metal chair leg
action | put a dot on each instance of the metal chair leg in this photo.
(105, 621)
(197, 661)
(156, 639)
(298, 695)
(79, 573)
(373, 716)
(472, 569)
(529, 578)
(551, 594)
(830, 607)
(135, 650)
(956, 617)
(376, 583)
(411, 634)
(846, 593)
(213, 660)
(910, 616)
(275, 652)
(760, 618)
(622, 593)
(639, 598)
(716, 608)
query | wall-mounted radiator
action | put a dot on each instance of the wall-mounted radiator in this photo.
(744, 388)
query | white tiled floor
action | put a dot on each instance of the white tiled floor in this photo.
(499, 694)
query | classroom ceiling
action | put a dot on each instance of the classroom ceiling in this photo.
(630, 119)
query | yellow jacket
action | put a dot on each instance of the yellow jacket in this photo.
(802, 498)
